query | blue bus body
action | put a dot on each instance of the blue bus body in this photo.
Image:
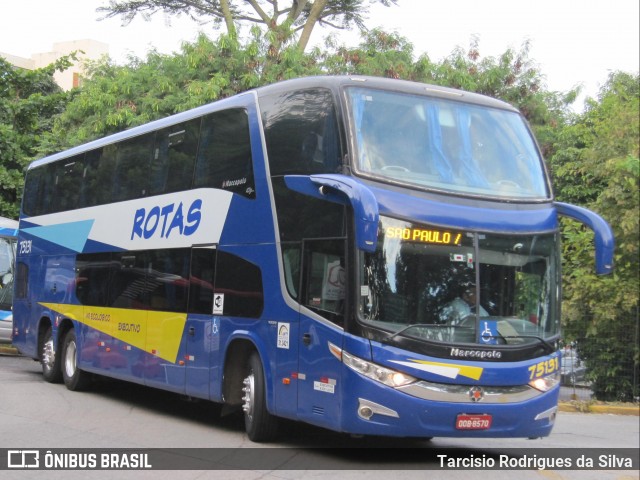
(310, 287)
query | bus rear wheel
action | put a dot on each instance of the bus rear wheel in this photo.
(49, 359)
(74, 378)
(259, 424)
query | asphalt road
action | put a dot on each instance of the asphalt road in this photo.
(36, 414)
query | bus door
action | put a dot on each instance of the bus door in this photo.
(323, 295)
(202, 328)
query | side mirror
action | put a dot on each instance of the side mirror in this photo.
(604, 239)
(344, 191)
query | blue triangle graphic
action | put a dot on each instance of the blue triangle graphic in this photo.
(70, 235)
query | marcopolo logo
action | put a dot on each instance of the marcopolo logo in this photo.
(163, 221)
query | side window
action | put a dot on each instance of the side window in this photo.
(40, 190)
(22, 280)
(99, 176)
(324, 277)
(224, 155)
(291, 260)
(301, 132)
(203, 262)
(32, 187)
(68, 178)
(156, 280)
(174, 157)
(93, 278)
(301, 216)
(128, 281)
(241, 284)
(132, 168)
(167, 283)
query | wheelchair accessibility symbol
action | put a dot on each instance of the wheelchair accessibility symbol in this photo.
(489, 333)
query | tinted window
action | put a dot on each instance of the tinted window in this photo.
(151, 164)
(32, 188)
(201, 280)
(325, 278)
(167, 283)
(99, 176)
(68, 180)
(174, 158)
(132, 168)
(301, 132)
(301, 216)
(22, 280)
(127, 288)
(224, 157)
(160, 280)
(156, 280)
(93, 278)
(241, 284)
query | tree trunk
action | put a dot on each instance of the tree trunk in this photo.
(316, 10)
(228, 18)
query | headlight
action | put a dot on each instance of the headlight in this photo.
(389, 377)
(544, 384)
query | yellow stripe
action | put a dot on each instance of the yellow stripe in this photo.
(466, 371)
(158, 333)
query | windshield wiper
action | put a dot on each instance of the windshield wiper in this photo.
(550, 348)
(424, 325)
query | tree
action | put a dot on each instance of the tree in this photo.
(281, 19)
(597, 165)
(118, 97)
(29, 101)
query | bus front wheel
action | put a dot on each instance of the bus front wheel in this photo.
(74, 378)
(49, 359)
(260, 425)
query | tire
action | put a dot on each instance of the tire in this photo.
(259, 424)
(50, 359)
(74, 378)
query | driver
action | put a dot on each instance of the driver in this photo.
(463, 306)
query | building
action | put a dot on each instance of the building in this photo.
(70, 78)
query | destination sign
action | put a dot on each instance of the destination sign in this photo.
(425, 235)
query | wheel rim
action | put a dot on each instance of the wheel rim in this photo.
(70, 359)
(48, 354)
(249, 396)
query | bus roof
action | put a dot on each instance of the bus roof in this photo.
(330, 82)
(8, 226)
(8, 223)
(404, 86)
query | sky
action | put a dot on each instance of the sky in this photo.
(572, 42)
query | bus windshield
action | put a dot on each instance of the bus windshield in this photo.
(444, 145)
(452, 286)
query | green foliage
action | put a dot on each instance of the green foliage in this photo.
(29, 101)
(597, 166)
(118, 97)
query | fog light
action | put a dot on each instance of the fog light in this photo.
(365, 412)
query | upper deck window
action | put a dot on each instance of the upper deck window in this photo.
(444, 145)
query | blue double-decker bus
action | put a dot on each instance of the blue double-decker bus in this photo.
(368, 255)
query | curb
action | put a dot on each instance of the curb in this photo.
(8, 350)
(604, 409)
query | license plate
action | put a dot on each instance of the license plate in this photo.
(473, 422)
